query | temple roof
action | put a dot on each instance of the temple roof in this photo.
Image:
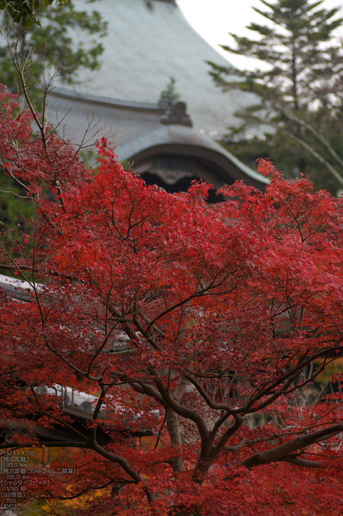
(180, 140)
(149, 42)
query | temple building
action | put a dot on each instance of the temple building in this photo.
(155, 95)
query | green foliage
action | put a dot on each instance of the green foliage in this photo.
(24, 12)
(298, 88)
(126, 164)
(14, 208)
(169, 95)
(50, 46)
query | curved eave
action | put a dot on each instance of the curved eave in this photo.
(15, 288)
(106, 102)
(183, 141)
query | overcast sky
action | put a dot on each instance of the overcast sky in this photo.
(213, 19)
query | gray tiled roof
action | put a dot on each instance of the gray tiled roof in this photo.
(145, 47)
(164, 136)
(149, 42)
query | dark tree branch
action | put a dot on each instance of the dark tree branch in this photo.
(279, 452)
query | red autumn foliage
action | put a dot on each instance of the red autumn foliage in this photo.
(220, 319)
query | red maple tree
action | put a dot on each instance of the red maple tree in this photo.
(198, 332)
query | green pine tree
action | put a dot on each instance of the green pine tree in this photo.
(169, 95)
(299, 90)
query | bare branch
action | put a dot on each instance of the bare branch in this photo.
(292, 116)
(316, 155)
